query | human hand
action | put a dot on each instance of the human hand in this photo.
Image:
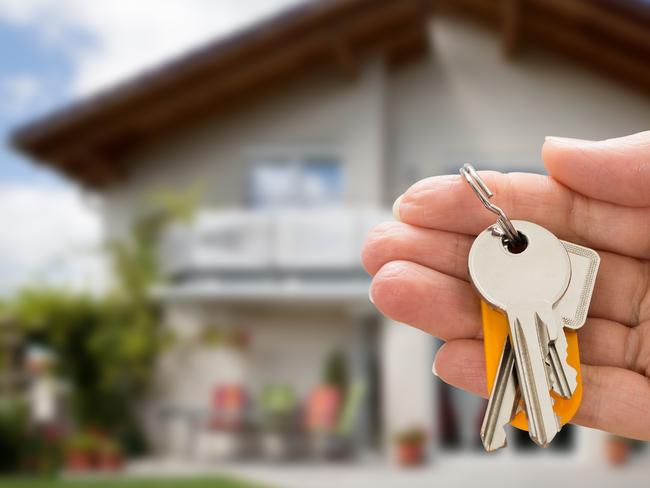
(597, 195)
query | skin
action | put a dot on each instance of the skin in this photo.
(597, 195)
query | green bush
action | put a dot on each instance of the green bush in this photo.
(106, 346)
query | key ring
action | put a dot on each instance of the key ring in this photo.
(484, 194)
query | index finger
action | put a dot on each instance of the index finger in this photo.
(448, 203)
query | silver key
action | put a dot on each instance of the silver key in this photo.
(503, 402)
(572, 307)
(572, 310)
(526, 286)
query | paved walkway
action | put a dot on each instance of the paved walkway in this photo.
(379, 475)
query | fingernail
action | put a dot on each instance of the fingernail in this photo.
(433, 368)
(565, 140)
(396, 208)
(370, 296)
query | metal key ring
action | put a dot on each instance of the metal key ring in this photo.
(484, 194)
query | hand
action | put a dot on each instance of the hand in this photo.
(597, 195)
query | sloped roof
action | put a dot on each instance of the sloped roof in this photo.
(89, 139)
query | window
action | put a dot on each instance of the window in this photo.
(302, 181)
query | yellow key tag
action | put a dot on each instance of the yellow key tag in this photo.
(495, 333)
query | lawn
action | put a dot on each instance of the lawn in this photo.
(217, 482)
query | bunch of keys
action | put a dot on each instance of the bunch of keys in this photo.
(536, 291)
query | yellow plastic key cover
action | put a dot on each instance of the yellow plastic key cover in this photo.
(495, 333)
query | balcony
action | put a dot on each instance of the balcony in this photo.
(311, 255)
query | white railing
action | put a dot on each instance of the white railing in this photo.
(244, 241)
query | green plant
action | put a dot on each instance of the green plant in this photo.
(336, 371)
(13, 428)
(278, 404)
(106, 346)
(83, 442)
(109, 447)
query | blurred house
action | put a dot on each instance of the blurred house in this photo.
(301, 131)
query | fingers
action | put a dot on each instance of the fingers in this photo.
(447, 203)
(441, 305)
(616, 296)
(614, 399)
(461, 363)
(604, 343)
(443, 251)
(601, 343)
(615, 170)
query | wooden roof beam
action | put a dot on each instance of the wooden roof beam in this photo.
(511, 26)
(586, 13)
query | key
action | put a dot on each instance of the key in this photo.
(526, 286)
(572, 308)
(503, 402)
(564, 379)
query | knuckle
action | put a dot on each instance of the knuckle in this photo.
(377, 246)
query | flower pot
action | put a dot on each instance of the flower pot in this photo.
(79, 461)
(410, 453)
(617, 451)
(110, 462)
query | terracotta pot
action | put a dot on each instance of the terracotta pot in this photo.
(110, 462)
(410, 453)
(617, 451)
(79, 461)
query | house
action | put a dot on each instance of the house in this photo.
(301, 131)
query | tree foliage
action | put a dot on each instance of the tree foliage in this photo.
(105, 346)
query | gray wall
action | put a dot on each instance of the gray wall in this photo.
(464, 103)
(467, 103)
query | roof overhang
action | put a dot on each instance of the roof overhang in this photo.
(87, 141)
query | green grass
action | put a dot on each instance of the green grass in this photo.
(216, 482)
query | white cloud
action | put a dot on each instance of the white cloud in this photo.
(112, 40)
(18, 93)
(49, 235)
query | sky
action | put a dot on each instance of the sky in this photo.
(53, 52)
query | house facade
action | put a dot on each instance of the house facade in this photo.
(292, 173)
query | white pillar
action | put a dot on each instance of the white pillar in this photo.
(407, 395)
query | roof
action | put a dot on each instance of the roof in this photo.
(89, 140)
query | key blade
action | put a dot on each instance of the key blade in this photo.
(503, 402)
(543, 423)
(564, 377)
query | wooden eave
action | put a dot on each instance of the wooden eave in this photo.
(89, 140)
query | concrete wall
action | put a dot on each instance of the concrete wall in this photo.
(468, 103)
(320, 112)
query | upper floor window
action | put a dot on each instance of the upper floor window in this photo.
(296, 181)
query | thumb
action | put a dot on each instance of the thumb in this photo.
(614, 170)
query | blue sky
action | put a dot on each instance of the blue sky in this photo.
(53, 51)
(34, 78)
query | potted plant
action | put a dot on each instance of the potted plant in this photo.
(80, 452)
(324, 405)
(109, 456)
(410, 446)
(278, 404)
(617, 450)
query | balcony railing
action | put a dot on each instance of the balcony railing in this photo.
(246, 254)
